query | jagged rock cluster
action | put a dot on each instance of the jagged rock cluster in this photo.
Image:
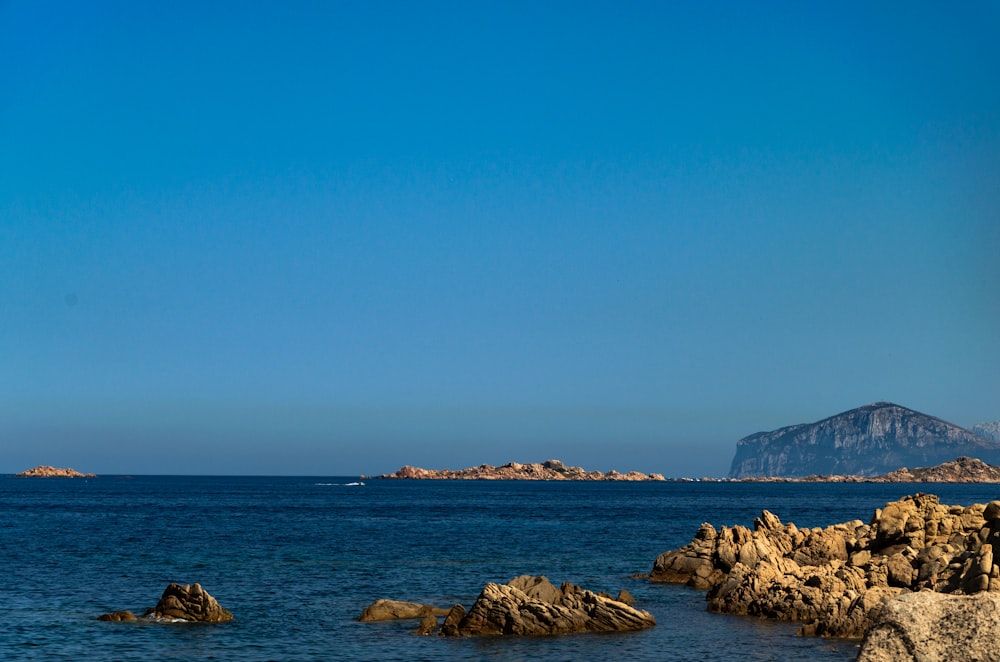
(46, 471)
(548, 470)
(527, 606)
(835, 579)
(189, 603)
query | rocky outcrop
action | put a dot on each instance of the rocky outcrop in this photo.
(534, 606)
(868, 441)
(959, 470)
(188, 603)
(394, 610)
(834, 579)
(549, 470)
(932, 626)
(46, 471)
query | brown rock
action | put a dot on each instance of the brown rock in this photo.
(190, 603)
(46, 471)
(117, 616)
(548, 470)
(428, 624)
(394, 610)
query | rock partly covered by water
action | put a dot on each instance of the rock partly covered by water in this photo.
(549, 470)
(530, 605)
(867, 441)
(189, 603)
(932, 626)
(46, 471)
(394, 610)
(835, 579)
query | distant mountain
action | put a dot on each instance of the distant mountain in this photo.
(868, 441)
(990, 430)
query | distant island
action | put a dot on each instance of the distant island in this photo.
(46, 471)
(548, 470)
(868, 441)
(959, 470)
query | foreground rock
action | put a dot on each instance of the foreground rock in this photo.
(534, 606)
(188, 603)
(835, 579)
(933, 626)
(46, 471)
(549, 470)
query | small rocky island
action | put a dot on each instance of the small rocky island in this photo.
(836, 580)
(46, 471)
(188, 603)
(548, 470)
(524, 606)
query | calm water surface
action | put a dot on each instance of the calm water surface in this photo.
(297, 559)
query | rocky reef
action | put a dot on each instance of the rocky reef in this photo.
(835, 579)
(548, 470)
(179, 603)
(46, 471)
(525, 606)
(867, 441)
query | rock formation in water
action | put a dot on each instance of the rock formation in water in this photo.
(959, 470)
(549, 470)
(46, 471)
(867, 441)
(189, 603)
(835, 579)
(395, 610)
(932, 626)
(528, 606)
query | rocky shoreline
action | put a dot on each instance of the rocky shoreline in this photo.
(46, 471)
(835, 580)
(549, 470)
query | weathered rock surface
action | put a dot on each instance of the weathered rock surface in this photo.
(548, 470)
(189, 603)
(834, 579)
(46, 471)
(930, 626)
(393, 610)
(867, 441)
(534, 606)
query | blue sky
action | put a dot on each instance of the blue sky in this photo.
(337, 238)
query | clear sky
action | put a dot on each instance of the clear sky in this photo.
(333, 238)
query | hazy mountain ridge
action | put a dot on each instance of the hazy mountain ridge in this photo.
(990, 430)
(868, 441)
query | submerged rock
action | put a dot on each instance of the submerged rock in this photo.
(933, 626)
(835, 579)
(393, 610)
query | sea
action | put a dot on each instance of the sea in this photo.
(296, 559)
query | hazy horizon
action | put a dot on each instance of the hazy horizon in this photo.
(336, 239)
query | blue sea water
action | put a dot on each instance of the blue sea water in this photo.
(297, 559)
